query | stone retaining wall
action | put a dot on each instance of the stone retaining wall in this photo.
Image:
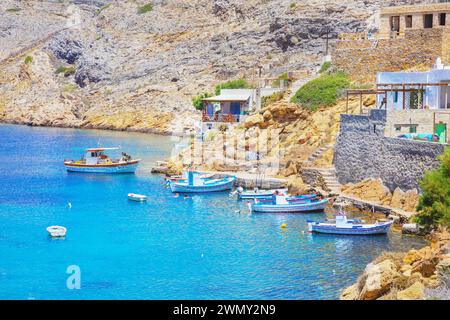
(363, 58)
(362, 151)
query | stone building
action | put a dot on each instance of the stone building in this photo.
(410, 37)
(394, 21)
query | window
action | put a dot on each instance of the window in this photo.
(395, 24)
(413, 128)
(398, 128)
(442, 18)
(408, 21)
(428, 21)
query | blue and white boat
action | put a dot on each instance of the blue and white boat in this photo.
(283, 204)
(96, 161)
(196, 184)
(349, 227)
(258, 194)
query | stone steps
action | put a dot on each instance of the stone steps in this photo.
(316, 155)
(330, 178)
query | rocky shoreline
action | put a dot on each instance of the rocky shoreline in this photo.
(414, 275)
(92, 127)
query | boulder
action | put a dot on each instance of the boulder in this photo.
(410, 228)
(405, 200)
(253, 120)
(369, 189)
(414, 292)
(377, 279)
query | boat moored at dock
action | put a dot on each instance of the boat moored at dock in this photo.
(284, 204)
(96, 161)
(345, 226)
(196, 184)
(258, 194)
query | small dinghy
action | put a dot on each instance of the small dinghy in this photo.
(197, 184)
(57, 231)
(137, 197)
(283, 204)
(349, 227)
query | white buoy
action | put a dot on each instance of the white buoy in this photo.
(70, 205)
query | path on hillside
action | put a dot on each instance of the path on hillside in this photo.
(29, 47)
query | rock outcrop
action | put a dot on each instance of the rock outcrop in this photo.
(374, 190)
(404, 276)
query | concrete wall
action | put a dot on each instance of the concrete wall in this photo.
(424, 120)
(362, 151)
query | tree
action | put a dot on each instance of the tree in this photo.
(434, 203)
(197, 100)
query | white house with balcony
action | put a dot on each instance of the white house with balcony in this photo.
(232, 106)
(416, 102)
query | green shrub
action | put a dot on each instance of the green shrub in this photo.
(13, 10)
(145, 8)
(292, 5)
(323, 91)
(28, 59)
(325, 66)
(268, 100)
(233, 84)
(434, 203)
(66, 70)
(197, 100)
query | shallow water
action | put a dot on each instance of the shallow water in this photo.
(167, 248)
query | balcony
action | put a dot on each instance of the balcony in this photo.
(224, 117)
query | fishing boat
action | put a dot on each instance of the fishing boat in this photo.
(137, 197)
(96, 161)
(345, 226)
(258, 194)
(57, 231)
(283, 204)
(195, 183)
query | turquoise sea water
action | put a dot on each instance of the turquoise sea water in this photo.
(168, 248)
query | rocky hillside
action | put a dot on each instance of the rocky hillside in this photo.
(134, 65)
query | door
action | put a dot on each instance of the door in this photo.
(235, 110)
(441, 131)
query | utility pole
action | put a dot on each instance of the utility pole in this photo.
(326, 32)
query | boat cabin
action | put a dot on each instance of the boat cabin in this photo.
(95, 155)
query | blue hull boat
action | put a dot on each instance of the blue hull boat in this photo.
(202, 186)
(349, 227)
(289, 205)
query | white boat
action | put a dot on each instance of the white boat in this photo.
(259, 194)
(96, 161)
(342, 225)
(137, 197)
(283, 204)
(195, 183)
(57, 231)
